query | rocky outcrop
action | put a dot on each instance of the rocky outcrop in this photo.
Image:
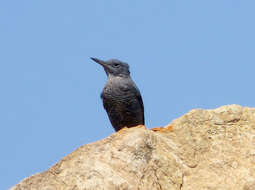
(204, 149)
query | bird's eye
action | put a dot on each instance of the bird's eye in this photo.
(116, 65)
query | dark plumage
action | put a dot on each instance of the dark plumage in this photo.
(121, 98)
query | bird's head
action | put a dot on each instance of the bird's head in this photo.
(114, 67)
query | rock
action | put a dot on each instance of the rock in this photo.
(204, 149)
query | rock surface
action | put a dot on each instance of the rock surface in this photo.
(202, 150)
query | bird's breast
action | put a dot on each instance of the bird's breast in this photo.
(117, 88)
(115, 93)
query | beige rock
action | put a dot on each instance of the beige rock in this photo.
(202, 150)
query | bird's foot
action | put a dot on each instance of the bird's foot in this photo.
(122, 129)
(125, 128)
(141, 126)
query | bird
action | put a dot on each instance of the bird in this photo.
(121, 98)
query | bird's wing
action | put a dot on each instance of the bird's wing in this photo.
(125, 89)
(139, 97)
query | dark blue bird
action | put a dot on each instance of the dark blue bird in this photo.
(121, 98)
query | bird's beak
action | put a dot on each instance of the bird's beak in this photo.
(101, 62)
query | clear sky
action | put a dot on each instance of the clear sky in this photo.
(182, 55)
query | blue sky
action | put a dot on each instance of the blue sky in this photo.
(182, 55)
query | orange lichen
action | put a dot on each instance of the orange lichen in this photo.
(166, 129)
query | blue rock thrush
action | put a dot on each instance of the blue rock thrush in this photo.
(121, 98)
